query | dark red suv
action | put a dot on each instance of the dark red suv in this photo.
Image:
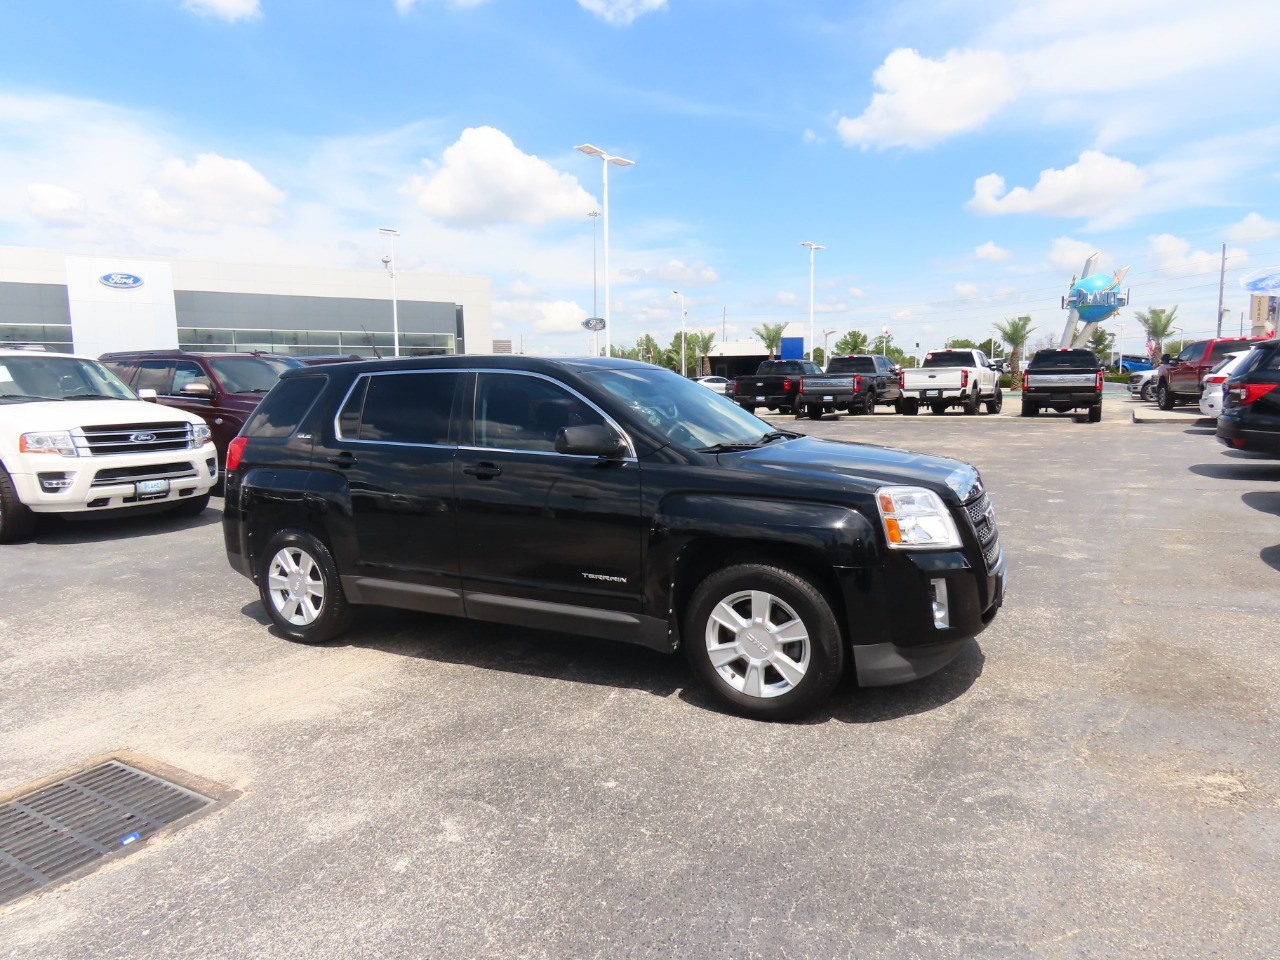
(1181, 378)
(223, 388)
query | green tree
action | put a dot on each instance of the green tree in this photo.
(700, 343)
(855, 341)
(1158, 323)
(1101, 343)
(1015, 333)
(963, 343)
(819, 356)
(771, 334)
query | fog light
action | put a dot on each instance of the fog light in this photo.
(941, 613)
(53, 482)
(212, 464)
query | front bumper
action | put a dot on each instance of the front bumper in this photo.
(52, 484)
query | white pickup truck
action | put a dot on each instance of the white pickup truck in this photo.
(952, 378)
(74, 439)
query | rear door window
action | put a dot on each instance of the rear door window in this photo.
(415, 407)
(155, 375)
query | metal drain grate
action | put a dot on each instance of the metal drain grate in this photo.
(56, 830)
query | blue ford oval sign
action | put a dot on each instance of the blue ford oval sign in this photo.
(594, 323)
(126, 280)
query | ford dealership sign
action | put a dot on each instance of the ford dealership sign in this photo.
(124, 280)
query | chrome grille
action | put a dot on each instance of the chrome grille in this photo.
(982, 519)
(133, 438)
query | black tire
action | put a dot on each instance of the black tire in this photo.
(191, 506)
(815, 413)
(749, 407)
(938, 409)
(1144, 392)
(752, 683)
(17, 522)
(970, 405)
(908, 407)
(1030, 408)
(313, 566)
(996, 403)
(1164, 396)
(868, 405)
(1095, 413)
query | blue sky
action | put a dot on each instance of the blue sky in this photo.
(957, 160)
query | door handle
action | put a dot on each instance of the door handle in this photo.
(483, 471)
(344, 459)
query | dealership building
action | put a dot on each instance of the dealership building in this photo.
(94, 304)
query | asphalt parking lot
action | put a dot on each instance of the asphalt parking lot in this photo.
(1097, 776)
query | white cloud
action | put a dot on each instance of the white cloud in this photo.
(212, 191)
(56, 205)
(544, 316)
(857, 292)
(922, 102)
(785, 298)
(485, 179)
(621, 13)
(966, 291)
(696, 274)
(989, 251)
(1087, 188)
(404, 6)
(229, 10)
(1069, 255)
(1252, 229)
(1173, 257)
(902, 315)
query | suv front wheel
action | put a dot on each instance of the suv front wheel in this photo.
(299, 585)
(763, 641)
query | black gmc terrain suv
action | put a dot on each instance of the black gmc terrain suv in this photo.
(612, 499)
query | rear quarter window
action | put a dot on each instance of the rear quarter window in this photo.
(1064, 360)
(851, 365)
(284, 408)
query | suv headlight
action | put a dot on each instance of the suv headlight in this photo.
(200, 435)
(57, 442)
(916, 518)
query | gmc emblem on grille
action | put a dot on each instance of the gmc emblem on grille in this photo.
(142, 437)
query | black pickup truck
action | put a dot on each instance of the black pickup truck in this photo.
(1063, 380)
(774, 386)
(611, 499)
(852, 384)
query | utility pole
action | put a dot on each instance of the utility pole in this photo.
(724, 324)
(1222, 278)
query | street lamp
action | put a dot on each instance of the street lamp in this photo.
(595, 305)
(813, 248)
(390, 263)
(606, 159)
(684, 350)
(825, 356)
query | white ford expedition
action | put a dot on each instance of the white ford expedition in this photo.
(73, 439)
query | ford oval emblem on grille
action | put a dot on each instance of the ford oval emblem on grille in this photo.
(142, 437)
(124, 280)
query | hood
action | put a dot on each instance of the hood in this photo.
(864, 464)
(68, 414)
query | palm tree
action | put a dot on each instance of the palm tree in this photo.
(771, 334)
(1015, 333)
(1158, 323)
(700, 344)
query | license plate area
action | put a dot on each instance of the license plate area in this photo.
(152, 489)
(760, 398)
(828, 397)
(933, 393)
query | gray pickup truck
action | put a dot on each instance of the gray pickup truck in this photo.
(1063, 380)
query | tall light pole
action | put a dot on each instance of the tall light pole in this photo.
(606, 159)
(390, 263)
(595, 304)
(813, 248)
(684, 350)
(825, 335)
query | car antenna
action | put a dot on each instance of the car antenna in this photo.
(376, 353)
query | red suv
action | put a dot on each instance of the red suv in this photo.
(1181, 378)
(222, 388)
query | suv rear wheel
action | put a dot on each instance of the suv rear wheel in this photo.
(763, 641)
(299, 585)
(1164, 396)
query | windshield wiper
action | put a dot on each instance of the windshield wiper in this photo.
(90, 396)
(728, 447)
(779, 435)
(26, 396)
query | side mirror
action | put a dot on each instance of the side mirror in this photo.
(591, 440)
(1165, 358)
(146, 393)
(196, 388)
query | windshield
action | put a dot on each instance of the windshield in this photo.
(851, 365)
(949, 358)
(1064, 360)
(251, 374)
(43, 377)
(684, 412)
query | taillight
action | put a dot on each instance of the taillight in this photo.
(1247, 393)
(902, 379)
(799, 385)
(1220, 378)
(964, 379)
(857, 384)
(786, 385)
(235, 450)
(1026, 381)
(1098, 385)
